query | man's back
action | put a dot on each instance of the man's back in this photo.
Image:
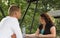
(9, 26)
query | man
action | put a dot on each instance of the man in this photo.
(9, 26)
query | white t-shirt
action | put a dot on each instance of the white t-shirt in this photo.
(9, 26)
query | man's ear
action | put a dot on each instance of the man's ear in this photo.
(15, 13)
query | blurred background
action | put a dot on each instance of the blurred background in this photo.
(31, 19)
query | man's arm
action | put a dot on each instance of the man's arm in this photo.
(13, 36)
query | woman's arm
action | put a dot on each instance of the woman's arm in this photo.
(37, 32)
(33, 35)
(53, 33)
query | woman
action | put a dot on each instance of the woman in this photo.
(46, 29)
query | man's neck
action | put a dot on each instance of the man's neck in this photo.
(13, 16)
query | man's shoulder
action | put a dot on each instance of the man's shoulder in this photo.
(9, 19)
(3, 19)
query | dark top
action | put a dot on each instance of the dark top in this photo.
(47, 29)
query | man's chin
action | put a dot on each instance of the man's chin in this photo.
(19, 18)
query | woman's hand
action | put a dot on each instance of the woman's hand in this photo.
(40, 35)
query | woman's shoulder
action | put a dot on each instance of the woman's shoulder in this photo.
(53, 27)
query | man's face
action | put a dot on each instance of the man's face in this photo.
(19, 14)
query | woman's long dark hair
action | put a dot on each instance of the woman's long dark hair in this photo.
(47, 19)
(49, 23)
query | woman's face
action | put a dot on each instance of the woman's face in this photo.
(42, 21)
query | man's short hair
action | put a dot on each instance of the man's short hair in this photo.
(12, 9)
